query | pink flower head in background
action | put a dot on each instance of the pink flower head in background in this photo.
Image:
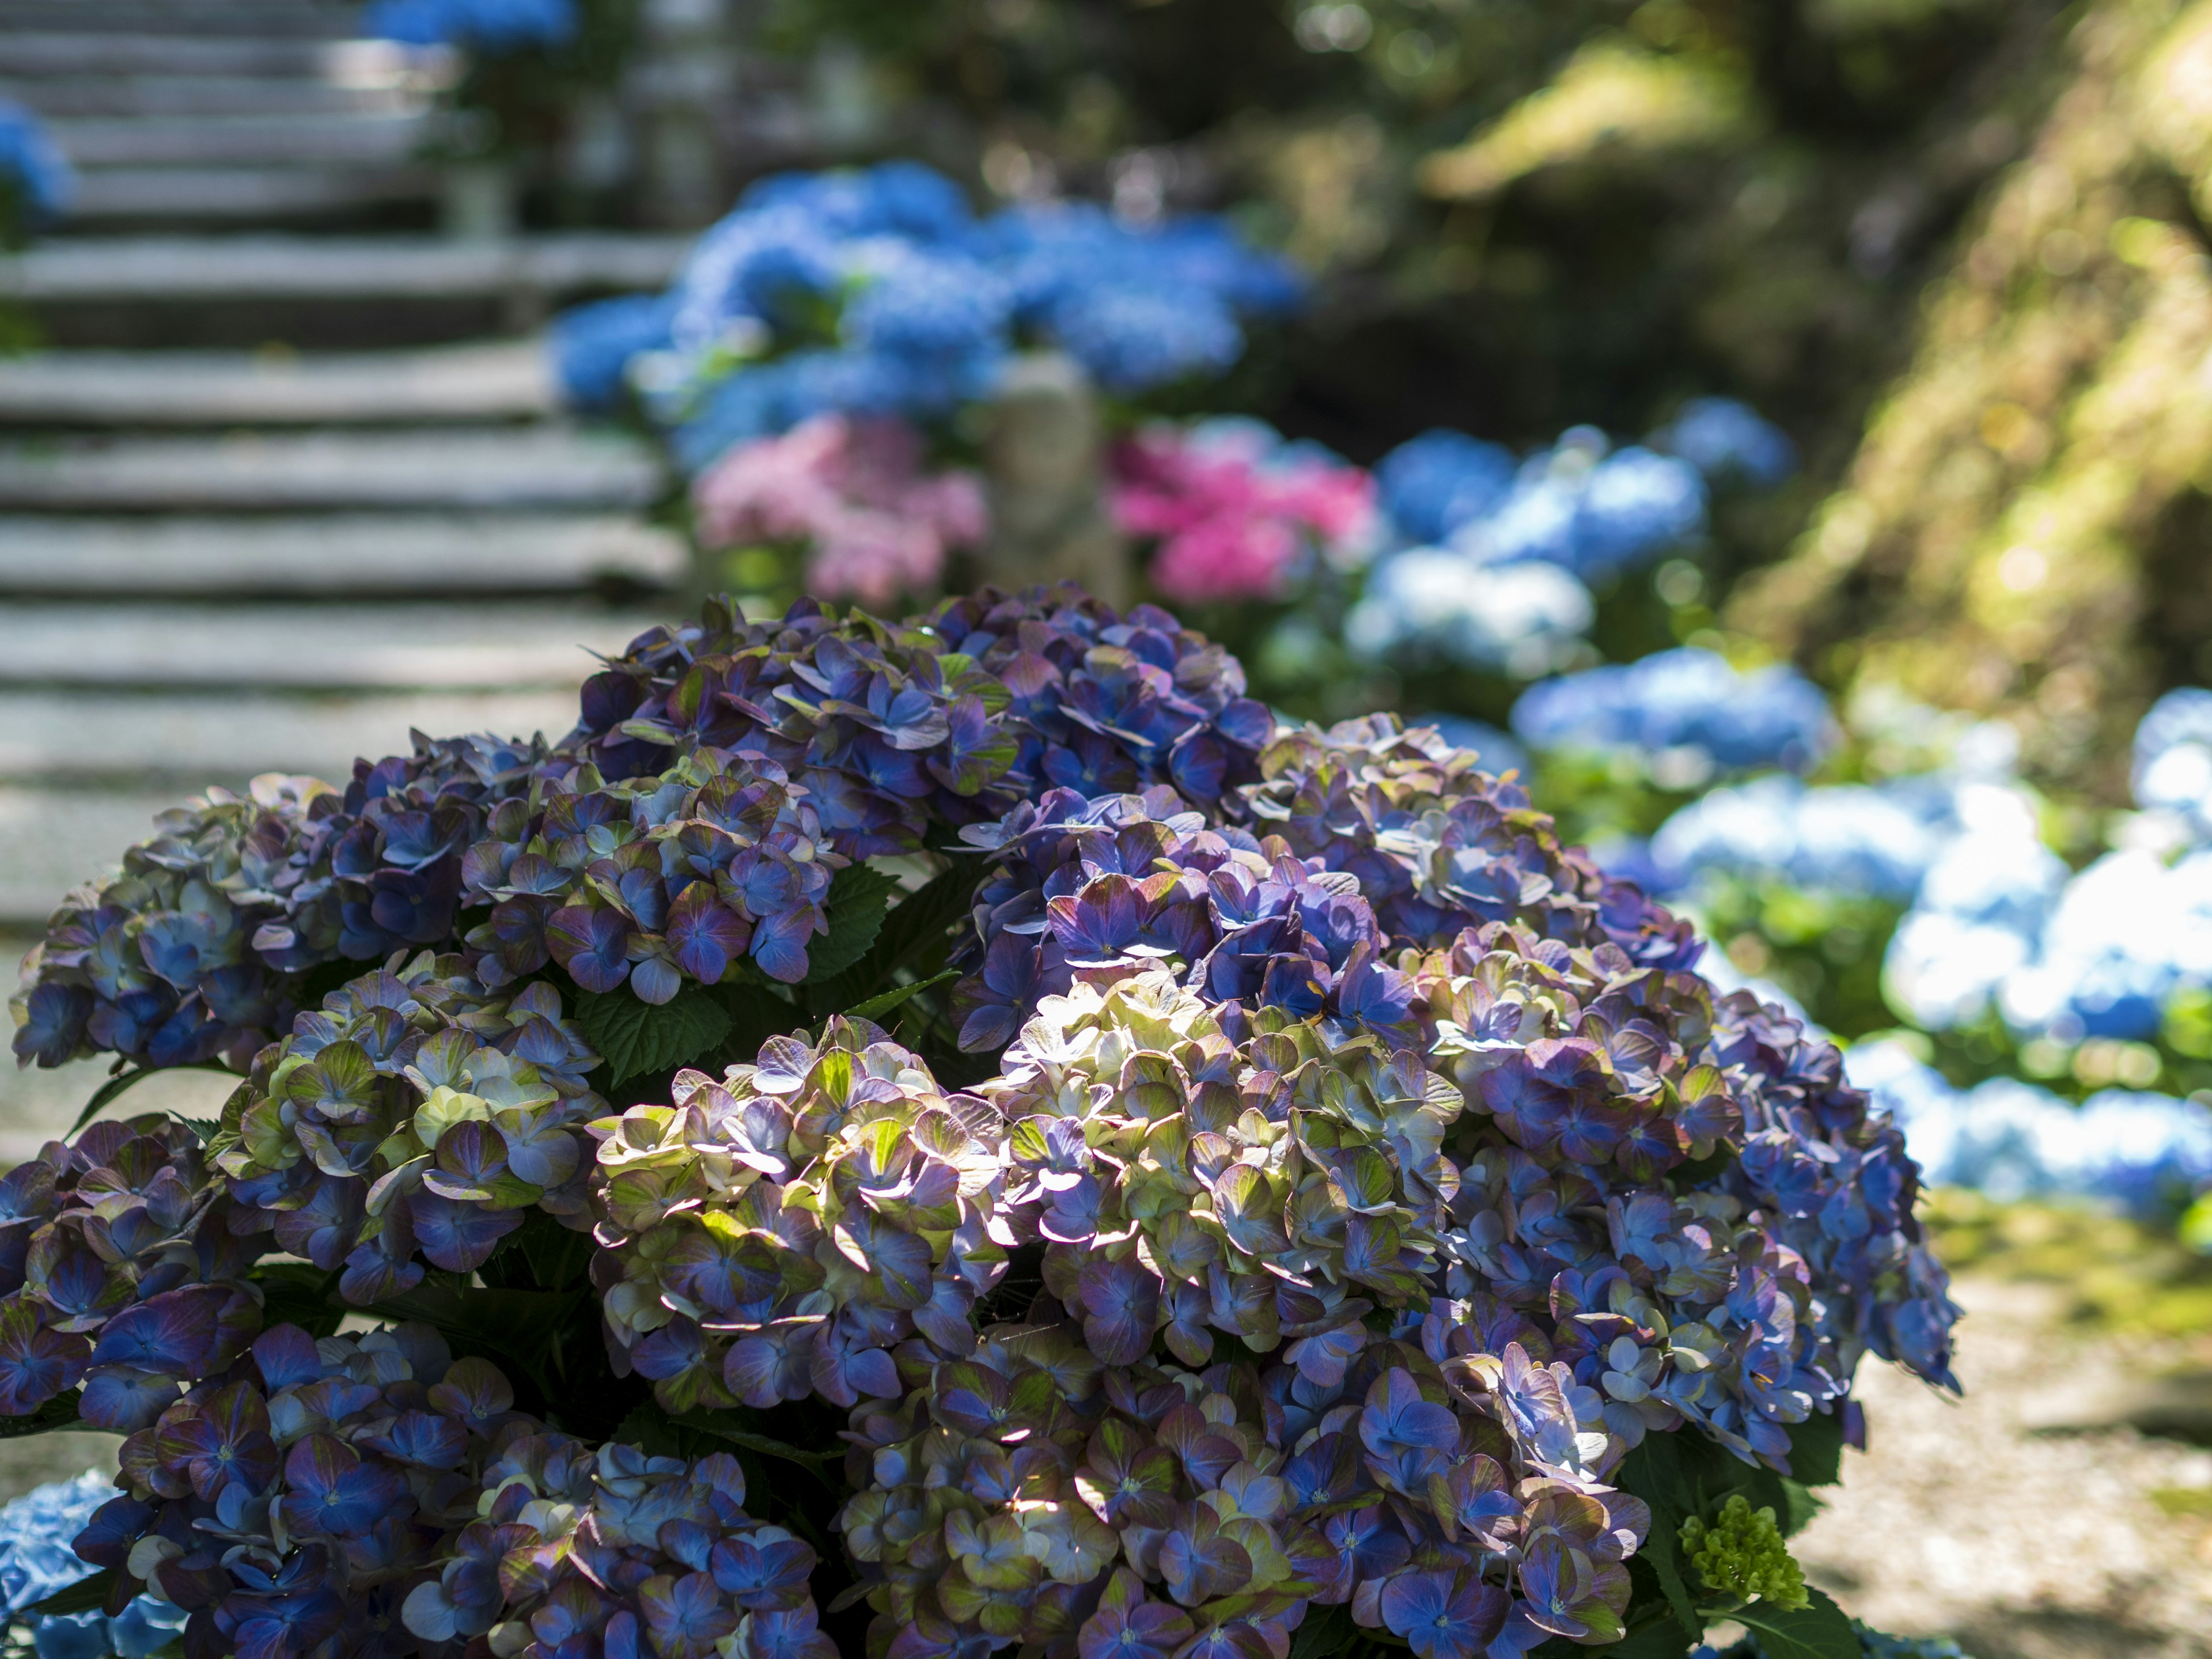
(1233, 505)
(851, 487)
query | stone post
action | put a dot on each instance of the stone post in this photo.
(1044, 457)
(685, 69)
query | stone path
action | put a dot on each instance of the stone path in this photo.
(291, 476)
(218, 555)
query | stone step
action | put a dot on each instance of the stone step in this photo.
(173, 194)
(334, 555)
(61, 98)
(41, 52)
(53, 840)
(253, 19)
(548, 467)
(193, 738)
(193, 271)
(278, 141)
(507, 381)
(307, 648)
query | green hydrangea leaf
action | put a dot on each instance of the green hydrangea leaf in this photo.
(885, 1002)
(859, 898)
(86, 1596)
(1816, 1450)
(297, 1293)
(59, 1412)
(635, 1037)
(1820, 1631)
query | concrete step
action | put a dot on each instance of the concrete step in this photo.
(252, 19)
(547, 467)
(335, 554)
(194, 270)
(307, 648)
(39, 53)
(276, 141)
(172, 195)
(52, 840)
(145, 96)
(507, 381)
(193, 738)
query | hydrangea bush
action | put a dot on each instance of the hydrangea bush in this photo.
(917, 1138)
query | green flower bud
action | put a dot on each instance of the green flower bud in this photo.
(1741, 1554)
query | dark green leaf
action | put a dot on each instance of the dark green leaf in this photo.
(1820, 1631)
(86, 1596)
(298, 1293)
(1652, 1472)
(1816, 1450)
(860, 895)
(115, 1086)
(1659, 1638)
(59, 1412)
(205, 1128)
(884, 1002)
(916, 935)
(636, 1038)
(519, 1331)
(713, 1423)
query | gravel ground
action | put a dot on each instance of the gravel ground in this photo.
(1980, 1519)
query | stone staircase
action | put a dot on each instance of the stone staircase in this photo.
(289, 477)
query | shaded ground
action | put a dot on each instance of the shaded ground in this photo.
(2000, 1521)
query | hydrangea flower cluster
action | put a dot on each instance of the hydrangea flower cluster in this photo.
(1438, 846)
(416, 1117)
(197, 950)
(611, 1552)
(1233, 509)
(122, 1265)
(2000, 924)
(875, 292)
(853, 491)
(1364, 1179)
(295, 1494)
(37, 1561)
(491, 27)
(716, 863)
(36, 183)
(1878, 840)
(1494, 558)
(809, 1226)
(1094, 888)
(2149, 1154)
(1686, 714)
(1103, 702)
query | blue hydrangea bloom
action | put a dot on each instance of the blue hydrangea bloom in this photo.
(32, 173)
(1728, 441)
(486, 25)
(2173, 770)
(1432, 484)
(2148, 1154)
(37, 1561)
(873, 290)
(592, 345)
(1873, 841)
(1686, 704)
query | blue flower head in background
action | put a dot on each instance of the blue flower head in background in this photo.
(1728, 441)
(1687, 711)
(36, 185)
(876, 291)
(37, 1561)
(491, 27)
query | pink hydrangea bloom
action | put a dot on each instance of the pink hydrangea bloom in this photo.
(852, 487)
(1232, 507)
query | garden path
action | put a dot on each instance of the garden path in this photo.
(288, 476)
